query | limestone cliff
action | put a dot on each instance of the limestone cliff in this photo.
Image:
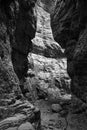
(69, 25)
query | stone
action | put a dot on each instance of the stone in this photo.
(63, 113)
(12, 128)
(26, 126)
(15, 43)
(43, 43)
(47, 62)
(19, 112)
(56, 108)
(50, 75)
(47, 5)
(77, 121)
(71, 34)
(22, 35)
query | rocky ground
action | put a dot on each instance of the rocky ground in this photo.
(55, 117)
(50, 120)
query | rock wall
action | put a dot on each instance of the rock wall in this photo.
(44, 43)
(23, 21)
(47, 64)
(69, 26)
(15, 110)
(47, 5)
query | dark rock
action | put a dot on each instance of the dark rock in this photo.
(31, 74)
(14, 109)
(63, 113)
(68, 22)
(22, 28)
(47, 5)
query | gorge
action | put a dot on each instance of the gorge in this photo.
(40, 41)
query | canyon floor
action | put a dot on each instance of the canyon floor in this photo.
(49, 119)
(53, 121)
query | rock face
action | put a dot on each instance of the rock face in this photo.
(23, 21)
(50, 76)
(14, 109)
(68, 22)
(47, 62)
(43, 43)
(48, 5)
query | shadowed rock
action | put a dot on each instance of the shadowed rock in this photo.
(68, 22)
(14, 108)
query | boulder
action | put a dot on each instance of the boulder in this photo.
(56, 108)
(26, 126)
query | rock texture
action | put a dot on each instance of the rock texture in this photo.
(47, 5)
(23, 21)
(47, 65)
(14, 109)
(50, 77)
(69, 25)
(43, 43)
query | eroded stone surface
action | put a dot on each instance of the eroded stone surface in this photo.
(51, 79)
(56, 107)
(43, 43)
(47, 60)
(68, 22)
(14, 108)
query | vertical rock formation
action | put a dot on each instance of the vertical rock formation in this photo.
(15, 42)
(47, 62)
(23, 21)
(48, 5)
(69, 25)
